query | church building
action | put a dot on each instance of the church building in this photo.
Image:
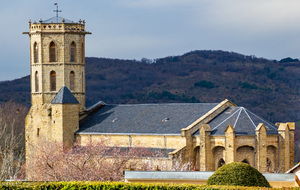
(208, 135)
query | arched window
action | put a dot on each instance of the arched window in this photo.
(72, 81)
(72, 52)
(245, 161)
(52, 52)
(36, 78)
(52, 81)
(35, 53)
(221, 163)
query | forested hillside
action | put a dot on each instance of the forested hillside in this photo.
(268, 88)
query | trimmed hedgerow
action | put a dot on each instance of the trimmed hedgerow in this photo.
(238, 173)
(116, 186)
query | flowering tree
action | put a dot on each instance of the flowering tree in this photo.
(95, 162)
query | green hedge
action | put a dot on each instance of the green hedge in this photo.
(238, 173)
(115, 186)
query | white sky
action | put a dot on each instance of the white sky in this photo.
(133, 29)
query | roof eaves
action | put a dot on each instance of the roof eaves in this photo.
(140, 134)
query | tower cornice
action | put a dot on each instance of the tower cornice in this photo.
(57, 28)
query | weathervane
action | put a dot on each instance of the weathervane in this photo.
(57, 11)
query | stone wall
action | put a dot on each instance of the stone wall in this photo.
(128, 140)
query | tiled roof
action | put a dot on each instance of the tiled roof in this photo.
(57, 20)
(243, 121)
(144, 118)
(64, 96)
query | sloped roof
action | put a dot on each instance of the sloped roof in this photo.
(243, 121)
(64, 96)
(294, 169)
(144, 118)
(56, 20)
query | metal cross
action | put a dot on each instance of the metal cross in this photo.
(57, 11)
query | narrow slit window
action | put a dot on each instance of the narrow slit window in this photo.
(73, 52)
(82, 82)
(52, 81)
(72, 80)
(52, 52)
(82, 53)
(35, 53)
(36, 81)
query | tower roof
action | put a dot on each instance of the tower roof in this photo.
(64, 96)
(243, 121)
(57, 20)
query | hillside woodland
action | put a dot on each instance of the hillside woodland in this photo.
(269, 88)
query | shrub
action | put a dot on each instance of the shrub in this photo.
(247, 85)
(205, 84)
(238, 174)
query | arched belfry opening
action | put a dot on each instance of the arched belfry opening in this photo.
(52, 52)
(36, 81)
(73, 52)
(52, 81)
(35, 53)
(72, 80)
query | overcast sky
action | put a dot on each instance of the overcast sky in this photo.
(133, 29)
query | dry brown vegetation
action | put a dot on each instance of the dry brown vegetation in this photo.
(12, 116)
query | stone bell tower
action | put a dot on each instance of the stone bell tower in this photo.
(57, 62)
(57, 58)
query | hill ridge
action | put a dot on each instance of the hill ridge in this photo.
(269, 88)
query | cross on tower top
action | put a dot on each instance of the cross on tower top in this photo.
(57, 11)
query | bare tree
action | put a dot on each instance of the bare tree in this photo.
(12, 143)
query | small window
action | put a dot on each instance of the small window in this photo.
(38, 132)
(72, 80)
(73, 52)
(245, 161)
(221, 163)
(52, 52)
(36, 78)
(35, 53)
(52, 81)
